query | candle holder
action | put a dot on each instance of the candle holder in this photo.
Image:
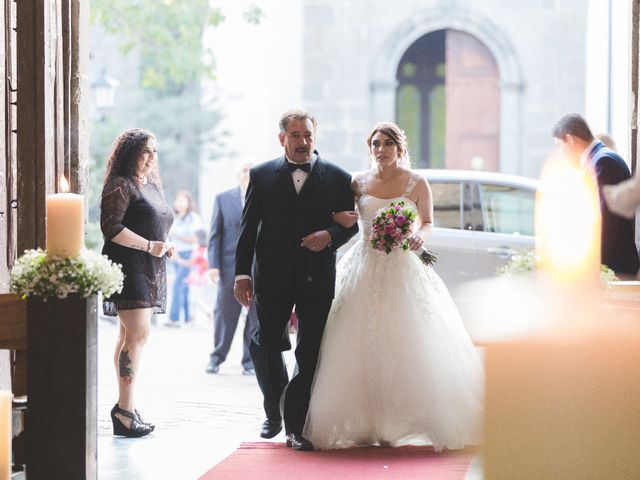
(61, 293)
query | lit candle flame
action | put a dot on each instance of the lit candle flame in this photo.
(568, 223)
(64, 185)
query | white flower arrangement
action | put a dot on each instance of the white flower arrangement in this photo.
(37, 274)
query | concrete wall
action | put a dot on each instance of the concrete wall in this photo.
(352, 49)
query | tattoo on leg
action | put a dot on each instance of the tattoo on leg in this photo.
(123, 365)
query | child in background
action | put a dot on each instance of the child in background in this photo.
(198, 262)
(198, 277)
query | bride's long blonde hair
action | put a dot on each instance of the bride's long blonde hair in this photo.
(396, 134)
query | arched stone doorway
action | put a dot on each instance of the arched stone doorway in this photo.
(466, 24)
(447, 101)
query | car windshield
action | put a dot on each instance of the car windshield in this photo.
(507, 209)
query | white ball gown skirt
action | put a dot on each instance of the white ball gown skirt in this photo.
(396, 364)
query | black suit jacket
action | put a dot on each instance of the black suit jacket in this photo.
(618, 248)
(276, 218)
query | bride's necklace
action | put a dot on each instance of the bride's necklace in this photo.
(142, 179)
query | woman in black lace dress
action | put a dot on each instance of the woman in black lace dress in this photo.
(135, 222)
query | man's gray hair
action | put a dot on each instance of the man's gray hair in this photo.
(295, 114)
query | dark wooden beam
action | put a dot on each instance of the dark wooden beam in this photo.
(13, 327)
(10, 83)
(79, 95)
(635, 80)
(4, 157)
(66, 47)
(36, 121)
(13, 336)
(60, 79)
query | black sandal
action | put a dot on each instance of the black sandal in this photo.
(153, 427)
(137, 412)
(137, 428)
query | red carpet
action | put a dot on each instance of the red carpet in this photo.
(273, 461)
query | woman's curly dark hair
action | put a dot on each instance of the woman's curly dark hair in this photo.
(126, 150)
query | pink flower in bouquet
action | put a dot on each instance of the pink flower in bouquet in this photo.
(392, 227)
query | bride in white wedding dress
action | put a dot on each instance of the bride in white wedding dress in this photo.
(396, 364)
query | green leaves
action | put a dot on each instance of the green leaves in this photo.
(168, 35)
(253, 14)
(161, 86)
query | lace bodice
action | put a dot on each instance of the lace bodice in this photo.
(368, 205)
(143, 210)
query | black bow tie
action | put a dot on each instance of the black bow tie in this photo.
(305, 167)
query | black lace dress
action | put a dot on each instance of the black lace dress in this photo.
(143, 210)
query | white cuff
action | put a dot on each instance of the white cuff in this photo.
(243, 277)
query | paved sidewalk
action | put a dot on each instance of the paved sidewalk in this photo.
(200, 418)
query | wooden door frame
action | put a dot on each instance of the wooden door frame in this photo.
(52, 140)
(52, 57)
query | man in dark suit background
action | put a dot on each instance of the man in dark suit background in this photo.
(287, 223)
(618, 248)
(223, 238)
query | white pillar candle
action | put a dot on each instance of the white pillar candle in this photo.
(562, 402)
(5, 435)
(568, 225)
(65, 224)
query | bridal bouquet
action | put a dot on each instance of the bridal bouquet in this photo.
(391, 229)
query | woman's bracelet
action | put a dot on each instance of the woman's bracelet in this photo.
(149, 246)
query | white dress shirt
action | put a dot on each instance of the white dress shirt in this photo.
(299, 176)
(584, 157)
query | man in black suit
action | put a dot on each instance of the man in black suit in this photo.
(287, 223)
(223, 237)
(618, 248)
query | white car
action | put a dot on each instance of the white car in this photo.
(480, 220)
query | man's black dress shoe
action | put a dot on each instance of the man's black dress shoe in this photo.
(212, 368)
(298, 442)
(270, 428)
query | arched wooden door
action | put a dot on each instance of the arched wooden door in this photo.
(473, 102)
(448, 101)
